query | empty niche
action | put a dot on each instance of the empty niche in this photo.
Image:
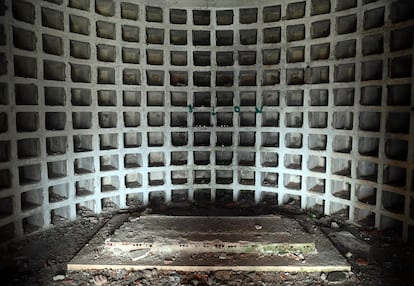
(155, 139)
(394, 176)
(58, 193)
(109, 162)
(271, 56)
(109, 184)
(320, 51)
(224, 139)
(179, 158)
(270, 139)
(178, 58)
(295, 10)
(26, 121)
(295, 33)
(3, 64)
(270, 77)
(247, 119)
(371, 70)
(79, 25)
(57, 169)
(155, 98)
(202, 119)
(202, 176)
(5, 151)
(155, 36)
(79, 4)
(224, 98)
(317, 163)
(401, 39)
(341, 167)
(178, 37)
(153, 14)
(348, 4)
(105, 30)
(343, 120)
(320, 7)
(201, 157)
(24, 11)
(224, 58)
(396, 149)
(271, 14)
(224, 78)
(52, 19)
(4, 94)
(246, 158)
(81, 97)
(246, 196)
(178, 16)
(132, 140)
(130, 55)
(401, 11)
(294, 98)
(106, 75)
(202, 99)
(56, 145)
(223, 157)
(3, 40)
(269, 198)
(369, 121)
(156, 118)
(293, 182)
(248, 15)
(179, 177)
(133, 181)
(179, 138)
(295, 54)
(374, 18)
(393, 202)
(270, 98)
(293, 140)
(202, 78)
(247, 98)
(345, 49)
(317, 142)
(271, 35)
(201, 38)
(156, 178)
(345, 73)
(84, 165)
(131, 98)
(201, 17)
(318, 97)
(224, 177)
(60, 215)
(295, 76)
(293, 119)
(55, 120)
(26, 94)
(23, 39)
(80, 73)
(155, 77)
(269, 159)
(342, 144)
(31, 199)
(178, 78)
(178, 119)
(315, 185)
(129, 11)
(246, 177)
(400, 67)
(5, 179)
(202, 58)
(344, 97)
(105, 7)
(132, 77)
(367, 170)
(371, 95)
(320, 29)
(130, 33)
(28, 148)
(82, 120)
(23, 66)
(293, 161)
(80, 50)
(224, 38)
(341, 189)
(107, 119)
(54, 70)
(346, 24)
(52, 44)
(319, 75)
(249, 37)
(131, 119)
(373, 44)
(108, 141)
(224, 196)
(398, 122)
(368, 146)
(271, 119)
(33, 223)
(29, 174)
(178, 98)
(105, 53)
(269, 179)
(247, 138)
(224, 17)
(247, 78)
(106, 97)
(3, 122)
(399, 95)
(82, 143)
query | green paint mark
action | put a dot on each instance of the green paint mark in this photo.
(190, 108)
(237, 108)
(259, 110)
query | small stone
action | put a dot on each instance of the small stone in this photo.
(117, 251)
(222, 256)
(258, 226)
(323, 276)
(223, 275)
(139, 254)
(168, 261)
(59, 277)
(334, 225)
(337, 276)
(348, 254)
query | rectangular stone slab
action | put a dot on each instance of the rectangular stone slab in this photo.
(183, 243)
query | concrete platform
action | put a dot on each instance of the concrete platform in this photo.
(182, 243)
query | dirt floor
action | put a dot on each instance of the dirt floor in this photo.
(377, 258)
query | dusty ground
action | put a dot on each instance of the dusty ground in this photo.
(41, 259)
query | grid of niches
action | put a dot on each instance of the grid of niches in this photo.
(114, 102)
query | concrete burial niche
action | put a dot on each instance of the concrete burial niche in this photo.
(107, 102)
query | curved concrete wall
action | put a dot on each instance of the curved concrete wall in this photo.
(106, 103)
